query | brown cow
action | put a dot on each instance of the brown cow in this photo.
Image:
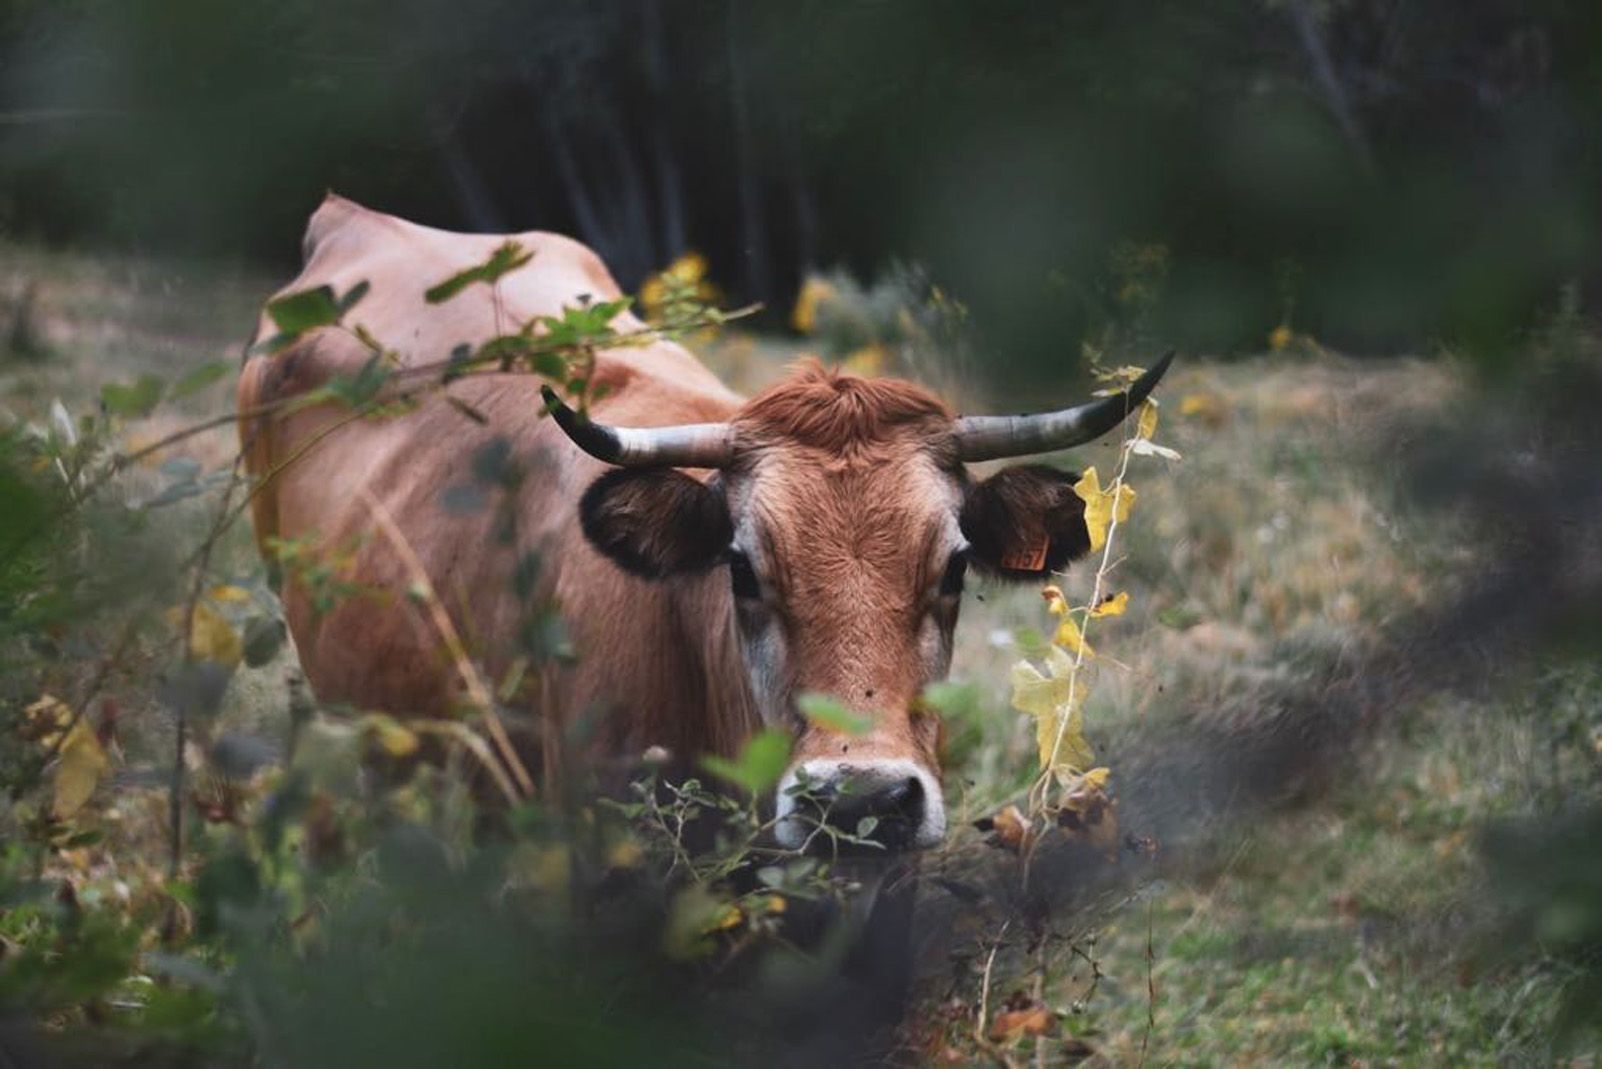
(714, 557)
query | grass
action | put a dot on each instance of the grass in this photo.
(1346, 922)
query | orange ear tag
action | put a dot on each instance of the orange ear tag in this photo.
(1028, 558)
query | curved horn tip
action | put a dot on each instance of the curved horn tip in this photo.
(995, 437)
(598, 441)
(1142, 387)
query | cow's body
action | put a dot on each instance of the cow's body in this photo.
(739, 554)
(663, 651)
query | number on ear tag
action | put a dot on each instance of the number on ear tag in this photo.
(1028, 558)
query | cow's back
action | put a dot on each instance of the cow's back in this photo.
(319, 471)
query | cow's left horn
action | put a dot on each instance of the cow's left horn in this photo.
(995, 437)
(688, 445)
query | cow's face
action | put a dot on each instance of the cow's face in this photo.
(844, 529)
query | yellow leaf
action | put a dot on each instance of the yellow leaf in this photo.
(624, 854)
(1069, 638)
(78, 773)
(1209, 407)
(390, 735)
(867, 361)
(1280, 337)
(1146, 425)
(544, 868)
(228, 593)
(1056, 604)
(1060, 738)
(685, 276)
(1034, 693)
(1113, 606)
(689, 268)
(46, 718)
(653, 292)
(1096, 779)
(814, 291)
(1127, 374)
(729, 918)
(212, 638)
(1102, 507)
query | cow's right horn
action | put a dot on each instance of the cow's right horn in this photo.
(996, 437)
(687, 445)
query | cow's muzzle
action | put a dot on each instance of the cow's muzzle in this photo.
(835, 807)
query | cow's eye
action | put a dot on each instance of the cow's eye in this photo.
(956, 570)
(742, 580)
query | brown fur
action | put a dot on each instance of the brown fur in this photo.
(839, 413)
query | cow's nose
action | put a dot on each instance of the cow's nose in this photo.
(888, 812)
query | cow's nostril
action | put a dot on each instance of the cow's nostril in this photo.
(897, 798)
(863, 811)
(893, 810)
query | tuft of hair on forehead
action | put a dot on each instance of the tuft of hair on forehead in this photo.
(838, 411)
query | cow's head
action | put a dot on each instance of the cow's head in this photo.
(843, 517)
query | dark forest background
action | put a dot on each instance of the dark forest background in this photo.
(1392, 173)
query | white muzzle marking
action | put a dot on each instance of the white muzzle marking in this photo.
(793, 830)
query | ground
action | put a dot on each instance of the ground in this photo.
(1341, 918)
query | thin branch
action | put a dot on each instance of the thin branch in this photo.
(477, 691)
(983, 1016)
(180, 707)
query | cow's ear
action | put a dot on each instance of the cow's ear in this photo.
(1025, 521)
(656, 522)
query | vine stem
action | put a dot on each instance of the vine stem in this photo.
(1037, 801)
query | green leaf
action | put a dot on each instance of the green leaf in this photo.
(352, 295)
(761, 762)
(1031, 643)
(135, 400)
(552, 365)
(952, 700)
(1179, 617)
(358, 389)
(200, 378)
(583, 323)
(507, 258)
(828, 713)
(296, 313)
(456, 367)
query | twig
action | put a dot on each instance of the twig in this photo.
(180, 706)
(1151, 990)
(1038, 992)
(983, 1017)
(103, 672)
(477, 691)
